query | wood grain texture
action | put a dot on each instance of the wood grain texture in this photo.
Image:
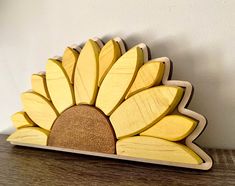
(21, 119)
(59, 87)
(85, 128)
(30, 166)
(30, 135)
(145, 108)
(108, 56)
(38, 82)
(86, 74)
(172, 128)
(182, 109)
(150, 74)
(39, 109)
(166, 163)
(156, 149)
(69, 61)
(118, 80)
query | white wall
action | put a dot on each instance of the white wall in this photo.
(199, 36)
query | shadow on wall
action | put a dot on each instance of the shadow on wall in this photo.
(203, 67)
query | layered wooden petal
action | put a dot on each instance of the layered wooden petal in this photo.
(39, 109)
(29, 135)
(39, 85)
(143, 109)
(59, 87)
(149, 74)
(172, 128)
(156, 149)
(108, 56)
(69, 61)
(21, 119)
(86, 74)
(118, 80)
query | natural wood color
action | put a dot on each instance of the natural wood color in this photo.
(114, 156)
(182, 109)
(21, 119)
(39, 85)
(69, 61)
(150, 74)
(29, 135)
(172, 128)
(98, 41)
(108, 56)
(121, 44)
(59, 87)
(143, 109)
(62, 168)
(118, 80)
(85, 128)
(144, 49)
(76, 47)
(86, 74)
(39, 109)
(156, 149)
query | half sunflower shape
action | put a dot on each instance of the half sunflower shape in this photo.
(113, 103)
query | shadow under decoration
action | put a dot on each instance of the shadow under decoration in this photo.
(105, 100)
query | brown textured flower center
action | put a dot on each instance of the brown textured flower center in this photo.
(83, 127)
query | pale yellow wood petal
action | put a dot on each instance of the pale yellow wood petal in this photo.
(39, 109)
(108, 56)
(21, 119)
(69, 61)
(172, 128)
(30, 135)
(39, 85)
(143, 109)
(156, 149)
(59, 87)
(150, 74)
(86, 74)
(118, 80)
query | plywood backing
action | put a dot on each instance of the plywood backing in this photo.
(84, 135)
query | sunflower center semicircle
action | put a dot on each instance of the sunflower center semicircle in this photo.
(83, 127)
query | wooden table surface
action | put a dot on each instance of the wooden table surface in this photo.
(28, 166)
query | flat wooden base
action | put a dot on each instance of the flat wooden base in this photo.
(203, 166)
(75, 130)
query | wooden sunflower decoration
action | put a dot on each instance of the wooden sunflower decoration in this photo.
(106, 101)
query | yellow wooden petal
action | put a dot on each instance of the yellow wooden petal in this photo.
(108, 56)
(39, 85)
(59, 87)
(143, 109)
(86, 74)
(39, 109)
(172, 128)
(21, 119)
(118, 80)
(69, 61)
(156, 149)
(30, 135)
(149, 74)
